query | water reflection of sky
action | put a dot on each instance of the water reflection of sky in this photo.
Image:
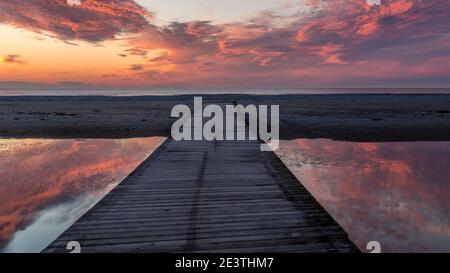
(394, 193)
(45, 185)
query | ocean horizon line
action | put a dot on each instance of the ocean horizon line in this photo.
(192, 91)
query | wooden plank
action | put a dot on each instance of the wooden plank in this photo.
(208, 196)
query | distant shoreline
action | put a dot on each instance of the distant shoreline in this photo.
(130, 92)
(349, 117)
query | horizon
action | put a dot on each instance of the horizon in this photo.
(80, 89)
(212, 45)
(79, 86)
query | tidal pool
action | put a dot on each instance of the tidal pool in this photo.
(395, 193)
(46, 185)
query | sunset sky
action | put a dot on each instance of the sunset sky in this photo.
(228, 43)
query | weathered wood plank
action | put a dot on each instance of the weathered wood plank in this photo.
(200, 196)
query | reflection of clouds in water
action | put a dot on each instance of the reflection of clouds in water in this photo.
(41, 174)
(395, 193)
(48, 224)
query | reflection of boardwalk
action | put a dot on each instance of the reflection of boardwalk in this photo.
(205, 196)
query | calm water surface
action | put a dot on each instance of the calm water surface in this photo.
(46, 185)
(395, 193)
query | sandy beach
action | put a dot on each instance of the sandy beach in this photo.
(352, 117)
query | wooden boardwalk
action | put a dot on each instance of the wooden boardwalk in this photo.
(200, 196)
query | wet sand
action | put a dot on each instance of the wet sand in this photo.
(341, 117)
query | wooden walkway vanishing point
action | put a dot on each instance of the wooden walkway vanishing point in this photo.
(208, 196)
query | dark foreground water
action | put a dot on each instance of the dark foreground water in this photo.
(395, 193)
(46, 185)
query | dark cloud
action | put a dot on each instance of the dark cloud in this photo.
(13, 59)
(137, 51)
(92, 20)
(360, 31)
(136, 67)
